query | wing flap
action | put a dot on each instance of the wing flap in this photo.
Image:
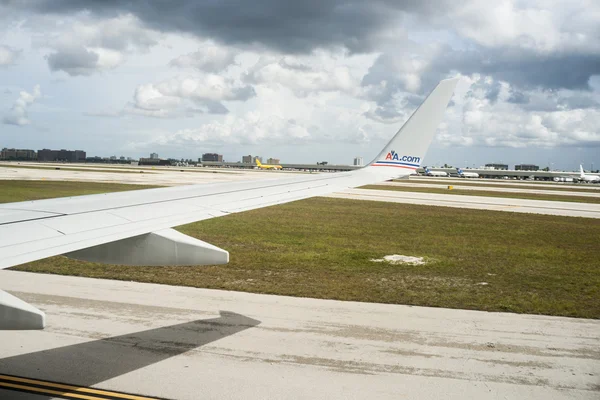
(8, 215)
(28, 231)
(165, 247)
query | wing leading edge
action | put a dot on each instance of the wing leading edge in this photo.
(133, 227)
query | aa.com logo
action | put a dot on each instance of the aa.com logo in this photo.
(393, 156)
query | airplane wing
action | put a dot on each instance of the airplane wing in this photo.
(134, 228)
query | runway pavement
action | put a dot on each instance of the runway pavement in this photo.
(413, 184)
(164, 176)
(185, 343)
(504, 182)
(563, 208)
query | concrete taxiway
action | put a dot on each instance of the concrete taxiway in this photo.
(185, 343)
(505, 182)
(562, 208)
(162, 176)
(412, 184)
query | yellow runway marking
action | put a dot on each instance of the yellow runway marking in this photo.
(68, 391)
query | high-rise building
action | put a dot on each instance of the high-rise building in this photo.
(527, 167)
(497, 166)
(153, 156)
(61, 155)
(18, 154)
(259, 158)
(358, 161)
(247, 159)
(273, 161)
(214, 157)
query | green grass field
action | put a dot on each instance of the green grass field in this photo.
(11, 191)
(322, 248)
(509, 195)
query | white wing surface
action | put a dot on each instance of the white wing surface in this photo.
(133, 228)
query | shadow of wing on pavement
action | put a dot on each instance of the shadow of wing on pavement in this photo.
(86, 364)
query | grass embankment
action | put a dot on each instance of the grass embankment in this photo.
(466, 192)
(559, 187)
(322, 248)
(11, 191)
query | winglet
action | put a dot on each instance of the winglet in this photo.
(407, 148)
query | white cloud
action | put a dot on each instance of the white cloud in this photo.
(488, 121)
(179, 96)
(304, 75)
(279, 118)
(251, 128)
(18, 113)
(8, 55)
(209, 58)
(543, 26)
(84, 46)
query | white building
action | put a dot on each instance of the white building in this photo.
(358, 161)
(153, 156)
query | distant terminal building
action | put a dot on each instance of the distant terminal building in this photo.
(153, 156)
(273, 161)
(358, 161)
(18, 154)
(527, 167)
(47, 155)
(153, 161)
(212, 157)
(497, 166)
(247, 159)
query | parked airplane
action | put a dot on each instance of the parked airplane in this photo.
(563, 179)
(134, 228)
(429, 172)
(464, 174)
(587, 177)
(266, 166)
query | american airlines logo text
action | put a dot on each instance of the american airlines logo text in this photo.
(392, 155)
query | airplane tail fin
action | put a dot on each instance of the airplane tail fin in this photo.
(460, 171)
(258, 162)
(407, 148)
(581, 173)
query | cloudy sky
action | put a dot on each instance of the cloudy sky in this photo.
(301, 81)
